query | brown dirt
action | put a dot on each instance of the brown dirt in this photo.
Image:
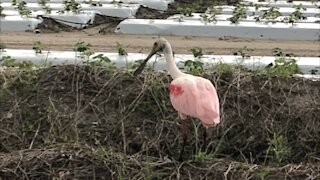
(143, 43)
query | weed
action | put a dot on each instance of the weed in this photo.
(72, 5)
(7, 61)
(1, 12)
(238, 13)
(200, 156)
(278, 148)
(93, 3)
(194, 67)
(277, 52)
(121, 50)
(270, 15)
(44, 5)
(37, 47)
(14, 2)
(120, 172)
(186, 11)
(100, 153)
(101, 60)
(197, 52)
(2, 46)
(314, 71)
(262, 175)
(210, 14)
(83, 48)
(243, 52)
(22, 8)
(284, 67)
(224, 69)
(296, 15)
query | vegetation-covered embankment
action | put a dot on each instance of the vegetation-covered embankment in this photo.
(94, 122)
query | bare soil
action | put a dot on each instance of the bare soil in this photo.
(143, 43)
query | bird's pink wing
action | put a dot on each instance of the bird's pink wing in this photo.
(208, 102)
(197, 97)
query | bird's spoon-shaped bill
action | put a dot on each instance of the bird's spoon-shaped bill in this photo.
(154, 50)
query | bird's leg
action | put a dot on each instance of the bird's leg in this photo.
(184, 137)
(205, 139)
(182, 116)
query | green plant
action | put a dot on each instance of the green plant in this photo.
(284, 67)
(22, 8)
(37, 47)
(200, 156)
(194, 67)
(224, 69)
(296, 15)
(1, 13)
(262, 175)
(83, 48)
(44, 5)
(7, 61)
(197, 52)
(101, 60)
(72, 5)
(186, 10)
(100, 153)
(210, 14)
(238, 13)
(314, 71)
(243, 52)
(10, 62)
(277, 52)
(270, 15)
(14, 2)
(278, 149)
(2, 46)
(121, 50)
(93, 3)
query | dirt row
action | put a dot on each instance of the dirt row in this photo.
(143, 43)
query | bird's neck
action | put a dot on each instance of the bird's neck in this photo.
(173, 69)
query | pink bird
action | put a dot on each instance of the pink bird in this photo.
(189, 95)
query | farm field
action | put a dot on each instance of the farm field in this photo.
(86, 117)
(142, 43)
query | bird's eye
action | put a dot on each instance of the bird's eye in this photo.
(156, 44)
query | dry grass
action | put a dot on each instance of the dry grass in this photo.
(88, 122)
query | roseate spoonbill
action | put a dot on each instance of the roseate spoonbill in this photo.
(190, 95)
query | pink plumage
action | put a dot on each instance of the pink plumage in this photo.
(196, 97)
(190, 95)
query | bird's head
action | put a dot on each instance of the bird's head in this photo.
(159, 46)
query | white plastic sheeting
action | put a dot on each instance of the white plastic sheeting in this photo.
(222, 17)
(285, 11)
(306, 64)
(161, 5)
(18, 23)
(74, 20)
(69, 18)
(115, 10)
(276, 3)
(301, 31)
